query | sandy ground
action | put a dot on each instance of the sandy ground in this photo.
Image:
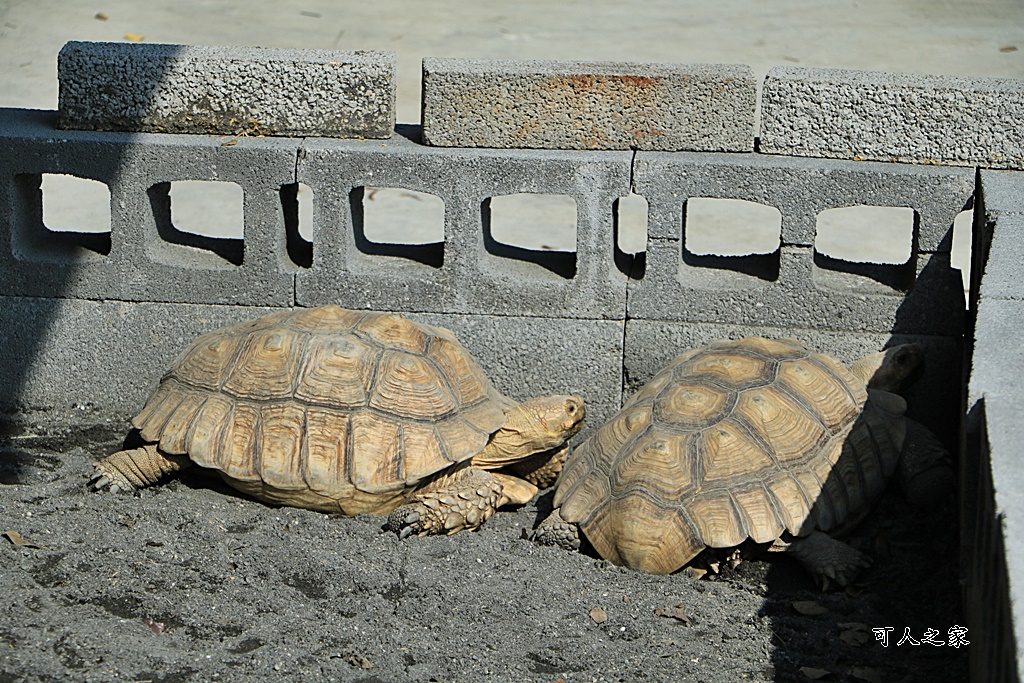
(190, 581)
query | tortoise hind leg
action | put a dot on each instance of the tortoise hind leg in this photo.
(463, 500)
(136, 468)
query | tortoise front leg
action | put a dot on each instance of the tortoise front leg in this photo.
(136, 468)
(463, 500)
(540, 469)
(556, 531)
(826, 559)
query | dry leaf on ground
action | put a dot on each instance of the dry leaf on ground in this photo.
(808, 607)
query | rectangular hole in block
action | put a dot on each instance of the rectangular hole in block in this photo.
(297, 204)
(61, 218)
(733, 235)
(205, 217)
(873, 242)
(963, 238)
(537, 228)
(630, 221)
(392, 221)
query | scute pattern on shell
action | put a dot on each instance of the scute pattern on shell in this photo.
(740, 439)
(326, 400)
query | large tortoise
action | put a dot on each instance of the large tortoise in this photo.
(350, 412)
(752, 439)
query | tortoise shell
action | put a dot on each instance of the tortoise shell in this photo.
(339, 410)
(739, 439)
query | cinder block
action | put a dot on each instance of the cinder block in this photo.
(934, 399)
(803, 295)
(588, 105)
(148, 260)
(226, 90)
(893, 117)
(527, 357)
(84, 362)
(795, 287)
(1002, 275)
(1004, 192)
(91, 361)
(997, 367)
(475, 275)
(801, 189)
(998, 248)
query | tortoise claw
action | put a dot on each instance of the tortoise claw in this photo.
(404, 522)
(101, 481)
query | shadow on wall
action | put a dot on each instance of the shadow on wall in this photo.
(913, 584)
(67, 218)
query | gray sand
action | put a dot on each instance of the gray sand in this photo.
(189, 581)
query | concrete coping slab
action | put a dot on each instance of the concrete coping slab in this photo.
(588, 105)
(226, 90)
(901, 117)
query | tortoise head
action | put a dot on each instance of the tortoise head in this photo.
(892, 369)
(555, 419)
(539, 424)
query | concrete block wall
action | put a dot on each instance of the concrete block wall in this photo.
(92, 321)
(599, 330)
(992, 502)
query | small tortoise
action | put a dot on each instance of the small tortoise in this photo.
(350, 412)
(756, 438)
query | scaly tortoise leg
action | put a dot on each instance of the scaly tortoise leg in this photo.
(136, 468)
(556, 531)
(463, 500)
(541, 469)
(825, 558)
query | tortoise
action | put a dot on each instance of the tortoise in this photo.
(348, 412)
(750, 439)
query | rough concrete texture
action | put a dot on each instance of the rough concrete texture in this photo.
(96, 361)
(144, 257)
(527, 357)
(892, 117)
(226, 90)
(587, 105)
(192, 582)
(476, 274)
(1001, 279)
(1003, 190)
(801, 189)
(802, 295)
(997, 366)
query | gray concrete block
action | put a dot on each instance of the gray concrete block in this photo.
(933, 400)
(803, 295)
(801, 189)
(892, 117)
(84, 362)
(476, 274)
(527, 357)
(997, 366)
(90, 361)
(588, 105)
(144, 258)
(1003, 191)
(998, 246)
(1002, 274)
(226, 90)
